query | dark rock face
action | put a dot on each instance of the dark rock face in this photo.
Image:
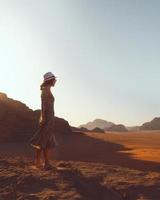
(75, 128)
(18, 122)
(16, 119)
(119, 128)
(152, 125)
(61, 125)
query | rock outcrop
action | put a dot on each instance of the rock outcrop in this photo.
(19, 122)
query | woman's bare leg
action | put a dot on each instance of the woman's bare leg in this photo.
(46, 153)
(38, 157)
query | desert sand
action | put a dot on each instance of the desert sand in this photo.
(90, 166)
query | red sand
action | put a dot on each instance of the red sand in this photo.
(96, 166)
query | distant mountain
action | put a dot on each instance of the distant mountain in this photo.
(98, 130)
(118, 127)
(82, 129)
(133, 128)
(97, 123)
(152, 125)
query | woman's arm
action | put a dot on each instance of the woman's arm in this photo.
(43, 110)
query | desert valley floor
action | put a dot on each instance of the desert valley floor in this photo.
(90, 166)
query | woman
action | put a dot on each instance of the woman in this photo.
(44, 138)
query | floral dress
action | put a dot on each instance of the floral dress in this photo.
(44, 137)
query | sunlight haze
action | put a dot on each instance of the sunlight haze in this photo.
(104, 53)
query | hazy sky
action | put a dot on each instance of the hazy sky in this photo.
(106, 54)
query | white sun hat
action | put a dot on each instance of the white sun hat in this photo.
(49, 76)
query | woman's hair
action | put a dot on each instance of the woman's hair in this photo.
(49, 82)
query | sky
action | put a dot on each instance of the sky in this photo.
(104, 53)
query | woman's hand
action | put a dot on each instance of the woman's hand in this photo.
(42, 122)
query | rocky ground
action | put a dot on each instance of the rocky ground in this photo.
(73, 180)
(89, 166)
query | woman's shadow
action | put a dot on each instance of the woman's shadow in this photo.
(81, 147)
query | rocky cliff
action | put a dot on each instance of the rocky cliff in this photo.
(19, 122)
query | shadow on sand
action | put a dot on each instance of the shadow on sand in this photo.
(81, 147)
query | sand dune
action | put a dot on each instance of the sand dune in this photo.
(94, 166)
